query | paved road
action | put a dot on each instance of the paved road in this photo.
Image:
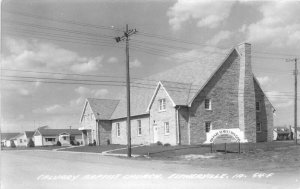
(48, 169)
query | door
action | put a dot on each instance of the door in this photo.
(155, 133)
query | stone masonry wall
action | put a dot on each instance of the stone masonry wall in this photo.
(159, 117)
(264, 116)
(144, 138)
(222, 89)
(247, 93)
(104, 127)
(183, 119)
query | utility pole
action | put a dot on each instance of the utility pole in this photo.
(125, 37)
(295, 109)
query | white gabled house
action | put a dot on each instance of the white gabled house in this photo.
(49, 137)
(23, 138)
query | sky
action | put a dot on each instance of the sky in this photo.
(55, 54)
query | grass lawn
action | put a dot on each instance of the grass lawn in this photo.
(162, 152)
(33, 148)
(94, 149)
(165, 151)
(282, 159)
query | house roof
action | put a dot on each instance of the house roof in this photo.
(192, 75)
(8, 136)
(102, 108)
(56, 132)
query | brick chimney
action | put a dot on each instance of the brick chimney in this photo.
(246, 94)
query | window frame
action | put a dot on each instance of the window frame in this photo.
(260, 127)
(210, 126)
(139, 127)
(209, 105)
(167, 128)
(118, 129)
(162, 105)
(47, 139)
(259, 106)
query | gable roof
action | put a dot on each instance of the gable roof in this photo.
(177, 92)
(56, 132)
(8, 136)
(102, 108)
(193, 74)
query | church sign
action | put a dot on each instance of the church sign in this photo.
(223, 136)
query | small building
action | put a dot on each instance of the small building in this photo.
(50, 137)
(6, 138)
(282, 133)
(95, 120)
(23, 138)
(294, 134)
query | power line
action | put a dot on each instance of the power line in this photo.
(140, 33)
(121, 83)
(59, 20)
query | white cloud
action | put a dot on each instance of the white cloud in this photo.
(222, 35)
(34, 55)
(263, 80)
(53, 108)
(90, 65)
(24, 92)
(112, 60)
(85, 92)
(207, 13)
(135, 63)
(279, 26)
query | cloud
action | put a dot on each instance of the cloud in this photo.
(279, 26)
(85, 92)
(90, 65)
(112, 60)
(263, 80)
(24, 92)
(222, 35)
(34, 55)
(207, 13)
(52, 109)
(135, 63)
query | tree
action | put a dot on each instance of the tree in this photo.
(12, 144)
(30, 143)
(58, 143)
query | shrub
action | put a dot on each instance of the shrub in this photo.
(12, 144)
(77, 143)
(167, 144)
(72, 142)
(108, 142)
(90, 144)
(30, 143)
(159, 143)
(94, 143)
(58, 143)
